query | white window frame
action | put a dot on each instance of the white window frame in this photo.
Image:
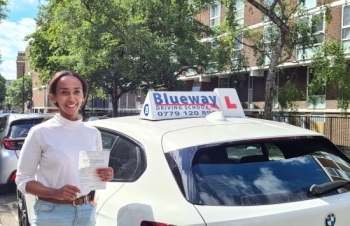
(215, 19)
(310, 51)
(345, 27)
(321, 99)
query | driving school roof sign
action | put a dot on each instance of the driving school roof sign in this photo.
(168, 105)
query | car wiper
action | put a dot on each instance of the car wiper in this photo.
(318, 189)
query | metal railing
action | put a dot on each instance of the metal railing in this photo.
(336, 129)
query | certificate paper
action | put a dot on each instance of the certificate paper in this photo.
(88, 162)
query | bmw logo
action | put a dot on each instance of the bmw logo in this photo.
(146, 109)
(330, 220)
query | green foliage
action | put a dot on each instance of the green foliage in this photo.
(2, 88)
(288, 94)
(287, 26)
(3, 9)
(330, 68)
(14, 93)
(120, 45)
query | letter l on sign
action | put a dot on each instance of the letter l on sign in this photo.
(229, 104)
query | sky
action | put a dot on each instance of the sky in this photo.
(20, 22)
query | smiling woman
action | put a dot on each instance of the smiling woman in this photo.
(48, 163)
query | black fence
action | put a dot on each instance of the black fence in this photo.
(337, 129)
(128, 112)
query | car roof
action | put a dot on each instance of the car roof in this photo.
(187, 132)
(14, 116)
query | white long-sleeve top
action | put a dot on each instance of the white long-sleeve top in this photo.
(50, 153)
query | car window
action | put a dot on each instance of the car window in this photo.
(260, 173)
(21, 128)
(108, 140)
(123, 159)
(3, 121)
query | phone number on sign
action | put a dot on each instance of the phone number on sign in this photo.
(184, 113)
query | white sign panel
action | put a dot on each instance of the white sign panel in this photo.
(166, 105)
(230, 103)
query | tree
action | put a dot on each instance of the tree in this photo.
(286, 29)
(15, 92)
(3, 9)
(331, 68)
(2, 89)
(121, 45)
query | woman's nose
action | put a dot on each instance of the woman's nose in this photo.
(71, 96)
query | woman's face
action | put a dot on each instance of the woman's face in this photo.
(69, 96)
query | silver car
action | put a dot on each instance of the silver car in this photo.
(13, 130)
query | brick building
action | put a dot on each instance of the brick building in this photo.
(128, 103)
(252, 91)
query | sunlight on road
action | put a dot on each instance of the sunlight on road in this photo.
(13, 208)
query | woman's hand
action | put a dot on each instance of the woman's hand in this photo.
(67, 192)
(106, 174)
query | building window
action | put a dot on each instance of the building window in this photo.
(319, 94)
(346, 28)
(237, 48)
(317, 38)
(215, 14)
(196, 85)
(138, 99)
(275, 100)
(309, 4)
(250, 92)
(239, 12)
(223, 82)
(270, 34)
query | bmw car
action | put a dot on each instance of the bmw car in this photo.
(195, 159)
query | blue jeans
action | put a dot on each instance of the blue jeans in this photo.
(47, 213)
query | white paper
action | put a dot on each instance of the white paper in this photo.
(88, 162)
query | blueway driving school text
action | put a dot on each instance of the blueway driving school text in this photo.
(167, 105)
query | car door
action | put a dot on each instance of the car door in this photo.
(126, 159)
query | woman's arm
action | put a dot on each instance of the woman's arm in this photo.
(67, 192)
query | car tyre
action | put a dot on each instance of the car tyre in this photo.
(22, 210)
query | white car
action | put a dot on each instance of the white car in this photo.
(217, 169)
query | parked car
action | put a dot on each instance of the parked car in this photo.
(94, 118)
(13, 130)
(219, 168)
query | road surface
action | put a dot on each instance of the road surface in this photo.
(8, 209)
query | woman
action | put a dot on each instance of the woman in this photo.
(48, 163)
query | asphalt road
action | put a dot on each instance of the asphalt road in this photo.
(8, 209)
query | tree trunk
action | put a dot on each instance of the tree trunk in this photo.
(270, 88)
(114, 98)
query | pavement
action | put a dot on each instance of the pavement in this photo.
(8, 209)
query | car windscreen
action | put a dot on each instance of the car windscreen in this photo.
(258, 172)
(20, 128)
